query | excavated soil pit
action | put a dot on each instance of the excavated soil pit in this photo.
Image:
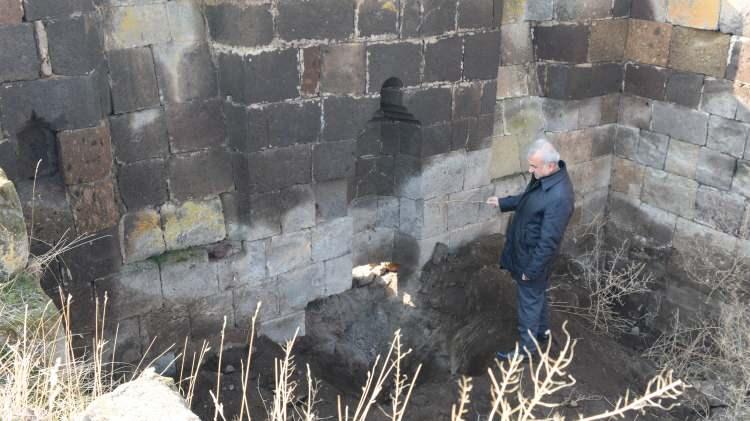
(455, 317)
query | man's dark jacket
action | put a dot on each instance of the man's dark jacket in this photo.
(542, 213)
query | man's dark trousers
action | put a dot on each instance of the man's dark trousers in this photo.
(533, 313)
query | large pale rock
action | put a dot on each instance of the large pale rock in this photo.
(149, 397)
(14, 244)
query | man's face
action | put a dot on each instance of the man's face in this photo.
(538, 167)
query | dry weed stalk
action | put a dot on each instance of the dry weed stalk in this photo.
(608, 279)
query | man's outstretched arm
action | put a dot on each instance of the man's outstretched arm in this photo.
(506, 204)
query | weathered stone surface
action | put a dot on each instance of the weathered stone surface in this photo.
(655, 225)
(94, 206)
(462, 208)
(610, 108)
(560, 115)
(735, 17)
(440, 174)
(18, 55)
(476, 14)
(720, 210)
(443, 60)
(135, 290)
(141, 236)
(505, 153)
(719, 98)
(574, 146)
(192, 223)
(627, 177)
(185, 71)
(715, 169)
(187, 275)
(423, 218)
(728, 136)
(681, 123)
(699, 51)
(477, 172)
(85, 154)
(345, 117)
(393, 60)
(270, 76)
(246, 25)
(331, 199)
(635, 112)
(186, 21)
(143, 183)
(515, 44)
(133, 79)
(298, 205)
(283, 124)
(338, 275)
(75, 45)
(195, 125)
(603, 142)
(670, 192)
(512, 82)
(648, 42)
(244, 266)
(433, 105)
(742, 93)
(523, 116)
(567, 43)
(741, 182)
(343, 69)
(655, 10)
(739, 62)
(646, 81)
(387, 213)
(11, 12)
(259, 216)
(572, 10)
(481, 56)
(276, 169)
(682, 158)
(589, 112)
(317, 19)
(332, 239)
(652, 149)
(684, 89)
(438, 16)
(135, 26)
(576, 82)
(312, 63)
(207, 316)
(332, 160)
(591, 175)
(288, 252)
(140, 135)
(200, 174)
(377, 17)
(689, 235)
(608, 40)
(696, 14)
(14, 242)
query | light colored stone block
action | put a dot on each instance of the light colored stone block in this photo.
(440, 174)
(364, 212)
(423, 218)
(387, 212)
(591, 175)
(699, 51)
(741, 181)
(574, 146)
(135, 290)
(477, 172)
(246, 265)
(627, 177)
(186, 20)
(338, 275)
(703, 14)
(300, 286)
(283, 329)
(720, 210)
(635, 112)
(288, 252)
(523, 116)
(512, 82)
(648, 42)
(372, 246)
(332, 239)
(505, 153)
(141, 236)
(192, 223)
(727, 136)
(300, 212)
(246, 299)
(670, 192)
(688, 234)
(680, 122)
(207, 315)
(682, 158)
(735, 17)
(135, 26)
(186, 276)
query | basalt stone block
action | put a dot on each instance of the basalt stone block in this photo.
(400, 60)
(135, 26)
(11, 12)
(589, 114)
(94, 259)
(576, 82)
(140, 135)
(247, 298)
(635, 112)
(560, 115)
(276, 169)
(346, 116)
(715, 169)
(94, 206)
(432, 105)
(316, 19)
(603, 141)
(374, 176)
(141, 236)
(610, 108)
(192, 223)
(569, 43)
(608, 39)
(338, 275)
(75, 45)
(646, 81)
(739, 60)
(481, 56)
(298, 205)
(143, 183)
(574, 146)
(377, 17)
(681, 123)
(735, 18)
(284, 124)
(343, 69)
(621, 8)
(477, 172)
(41, 9)
(135, 290)
(626, 141)
(261, 215)
(245, 265)
(332, 160)
(728, 136)
(237, 126)
(443, 60)
(195, 125)
(332, 239)
(720, 210)
(271, 76)
(655, 224)
(648, 42)
(695, 14)
(231, 73)
(572, 10)
(186, 21)
(331, 199)
(652, 149)
(741, 183)
(627, 177)
(682, 158)
(684, 89)
(488, 100)
(466, 101)
(719, 97)
(312, 63)
(436, 139)
(185, 71)
(438, 16)
(85, 155)
(133, 79)
(243, 25)
(655, 10)
(476, 14)
(200, 174)
(670, 192)
(480, 133)
(289, 251)
(695, 50)
(18, 54)
(187, 276)
(296, 289)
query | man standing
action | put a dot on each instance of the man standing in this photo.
(533, 240)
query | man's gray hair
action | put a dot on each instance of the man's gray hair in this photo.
(548, 152)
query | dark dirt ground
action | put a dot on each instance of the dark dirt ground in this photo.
(464, 313)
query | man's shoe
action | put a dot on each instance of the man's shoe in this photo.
(507, 356)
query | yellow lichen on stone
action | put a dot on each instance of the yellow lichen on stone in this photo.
(193, 223)
(513, 11)
(389, 6)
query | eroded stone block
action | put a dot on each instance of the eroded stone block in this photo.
(192, 223)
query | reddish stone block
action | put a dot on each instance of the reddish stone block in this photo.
(86, 154)
(94, 207)
(311, 72)
(10, 12)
